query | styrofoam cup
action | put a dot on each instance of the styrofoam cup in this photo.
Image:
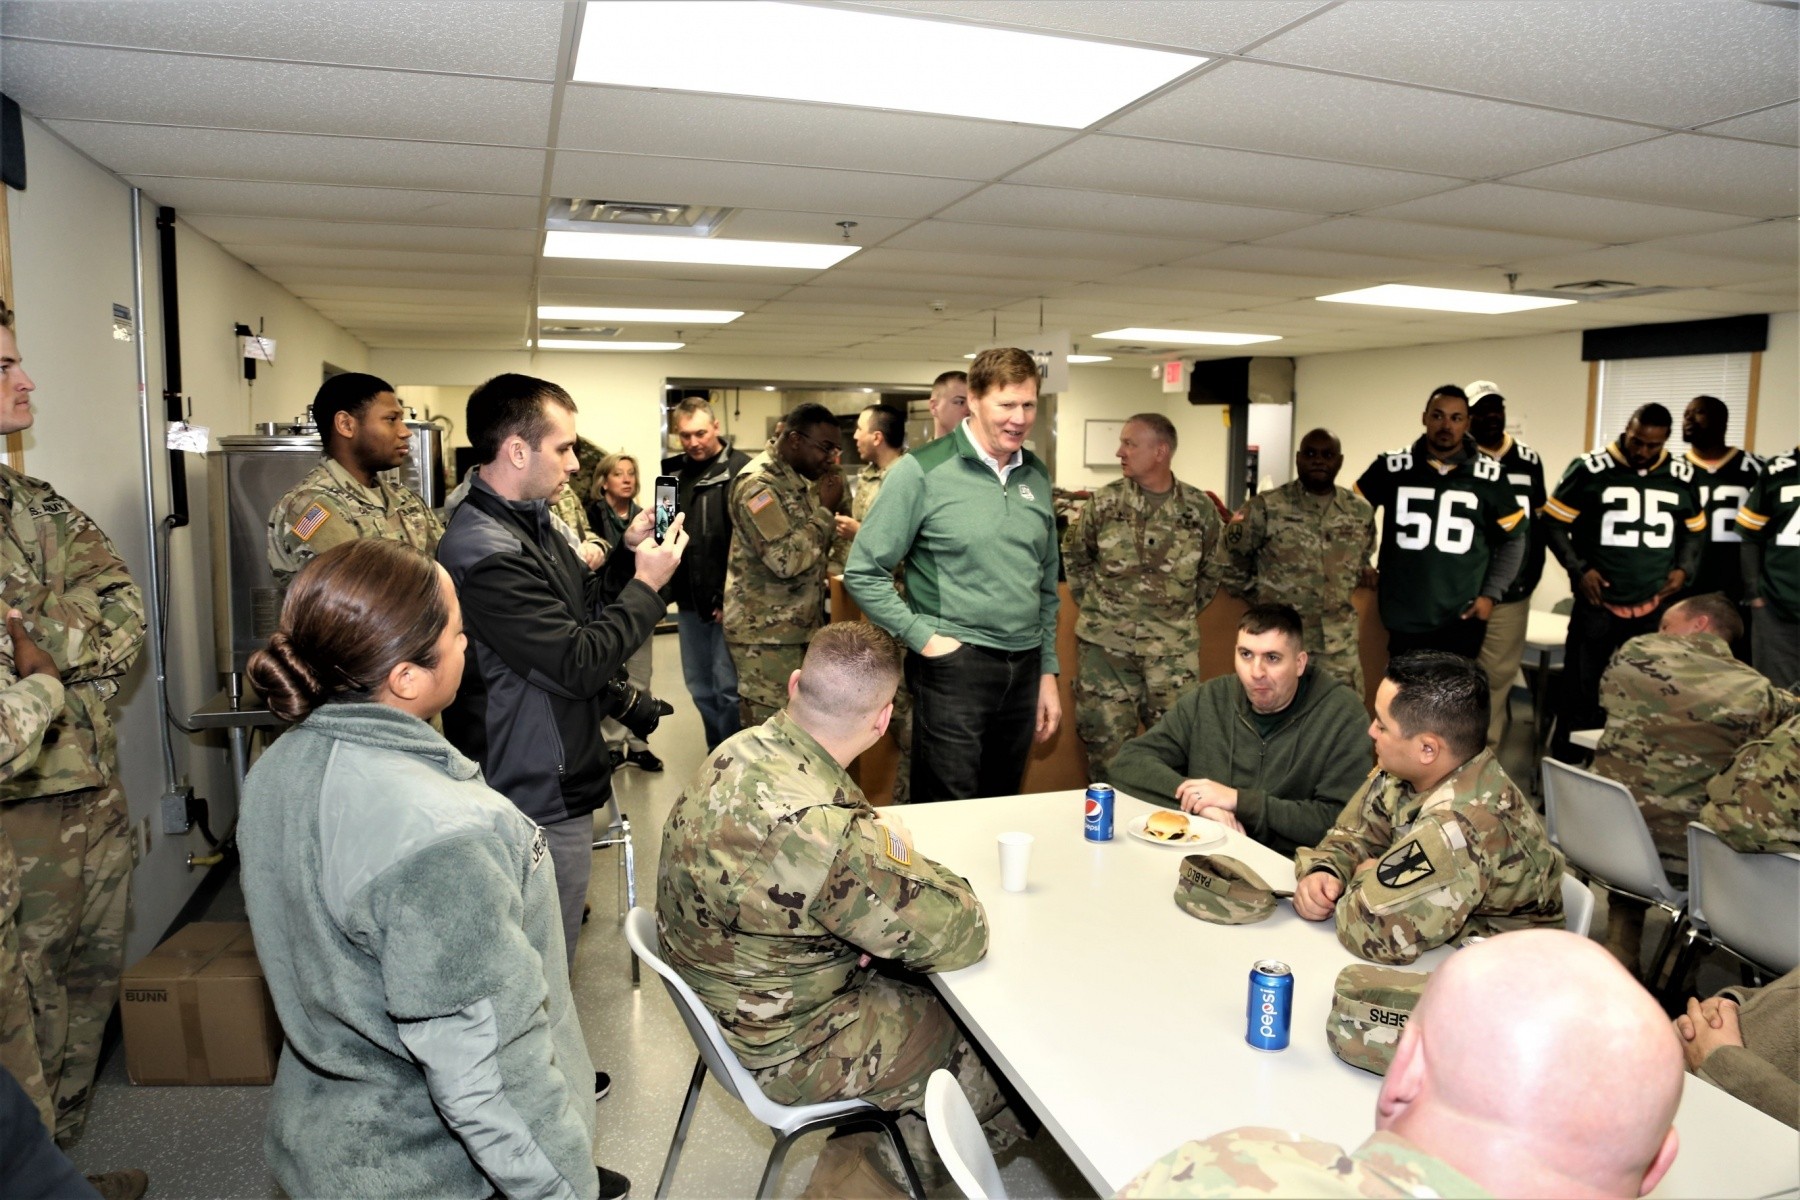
(1015, 860)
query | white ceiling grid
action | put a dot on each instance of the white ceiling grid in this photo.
(391, 163)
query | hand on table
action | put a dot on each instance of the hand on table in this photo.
(1196, 794)
(1706, 1026)
(1316, 895)
(1049, 709)
(1227, 819)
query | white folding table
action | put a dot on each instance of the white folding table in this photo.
(1120, 1018)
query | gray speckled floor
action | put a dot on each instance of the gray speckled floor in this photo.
(206, 1142)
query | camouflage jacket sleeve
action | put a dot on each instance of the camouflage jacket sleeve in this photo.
(94, 626)
(1416, 896)
(1079, 549)
(1364, 830)
(789, 534)
(1211, 571)
(885, 898)
(27, 707)
(1754, 804)
(1235, 556)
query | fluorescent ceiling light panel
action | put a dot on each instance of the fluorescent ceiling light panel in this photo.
(641, 316)
(1186, 337)
(1090, 358)
(717, 252)
(865, 59)
(1407, 295)
(587, 344)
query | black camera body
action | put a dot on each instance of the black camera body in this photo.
(633, 707)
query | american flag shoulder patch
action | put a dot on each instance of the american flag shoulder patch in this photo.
(310, 520)
(760, 501)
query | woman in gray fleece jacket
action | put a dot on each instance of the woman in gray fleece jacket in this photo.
(405, 914)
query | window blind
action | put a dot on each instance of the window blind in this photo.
(1625, 384)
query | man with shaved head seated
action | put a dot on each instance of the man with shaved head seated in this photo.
(1533, 1066)
(779, 888)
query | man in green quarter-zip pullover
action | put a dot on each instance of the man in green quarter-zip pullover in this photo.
(970, 515)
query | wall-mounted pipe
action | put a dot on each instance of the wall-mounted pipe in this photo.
(171, 331)
(153, 591)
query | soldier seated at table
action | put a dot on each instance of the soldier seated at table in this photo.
(801, 916)
(1678, 707)
(1439, 845)
(1273, 751)
(1746, 1041)
(1503, 1084)
(1754, 804)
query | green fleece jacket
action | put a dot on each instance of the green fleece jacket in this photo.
(1291, 785)
(980, 555)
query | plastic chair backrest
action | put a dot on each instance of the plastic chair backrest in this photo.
(1748, 902)
(958, 1138)
(1598, 825)
(1578, 906)
(709, 1039)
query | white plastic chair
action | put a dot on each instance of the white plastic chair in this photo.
(960, 1143)
(786, 1123)
(1578, 905)
(1597, 823)
(1746, 904)
(618, 833)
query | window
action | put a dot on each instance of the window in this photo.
(1620, 386)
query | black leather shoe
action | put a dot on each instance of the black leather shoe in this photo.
(614, 758)
(644, 759)
(602, 1085)
(613, 1186)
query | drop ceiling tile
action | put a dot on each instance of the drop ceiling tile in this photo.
(1222, 25)
(295, 275)
(739, 129)
(232, 231)
(1136, 165)
(305, 158)
(1342, 270)
(568, 269)
(1110, 212)
(517, 37)
(656, 293)
(249, 198)
(272, 257)
(749, 185)
(1253, 106)
(1246, 286)
(1408, 240)
(385, 292)
(1761, 287)
(907, 302)
(955, 236)
(1510, 209)
(761, 224)
(1651, 268)
(1014, 267)
(940, 284)
(1714, 174)
(1716, 303)
(1670, 64)
(1780, 124)
(78, 82)
(1158, 286)
(1773, 242)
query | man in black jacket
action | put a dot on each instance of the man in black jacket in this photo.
(543, 644)
(705, 467)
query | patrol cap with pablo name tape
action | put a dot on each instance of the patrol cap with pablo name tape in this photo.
(1370, 1006)
(1223, 890)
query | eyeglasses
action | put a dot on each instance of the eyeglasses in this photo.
(822, 446)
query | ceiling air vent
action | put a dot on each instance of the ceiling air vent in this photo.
(563, 327)
(690, 220)
(1596, 289)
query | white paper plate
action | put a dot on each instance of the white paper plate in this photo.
(1201, 833)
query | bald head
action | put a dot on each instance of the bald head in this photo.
(1537, 1066)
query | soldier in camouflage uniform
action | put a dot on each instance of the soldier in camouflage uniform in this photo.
(363, 432)
(566, 506)
(1139, 561)
(781, 532)
(1678, 706)
(1439, 846)
(1307, 544)
(586, 480)
(779, 885)
(1565, 1106)
(1754, 804)
(65, 814)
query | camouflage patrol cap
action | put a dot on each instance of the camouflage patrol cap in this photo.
(1222, 890)
(1370, 1006)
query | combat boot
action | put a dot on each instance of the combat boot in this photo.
(850, 1168)
(120, 1185)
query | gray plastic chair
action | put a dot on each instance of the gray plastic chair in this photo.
(786, 1123)
(1578, 905)
(618, 833)
(1746, 904)
(956, 1133)
(1597, 823)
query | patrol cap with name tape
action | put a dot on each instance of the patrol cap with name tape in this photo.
(1370, 1006)
(1223, 890)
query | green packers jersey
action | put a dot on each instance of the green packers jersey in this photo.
(1771, 518)
(1627, 524)
(1722, 489)
(1438, 532)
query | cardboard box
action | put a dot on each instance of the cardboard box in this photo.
(196, 1010)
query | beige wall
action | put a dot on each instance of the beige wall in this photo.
(71, 241)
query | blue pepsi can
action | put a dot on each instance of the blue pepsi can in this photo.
(1098, 824)
(1271, 1007)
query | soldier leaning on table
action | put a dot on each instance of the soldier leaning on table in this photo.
(1754, 804)
(1439, 845)
(779, 885)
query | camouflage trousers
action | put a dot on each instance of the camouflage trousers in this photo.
(900, 729)
(18, 1033)
(903, 1035)
(1332, 647)
(762, 670)
(74, 859)
(1115, 691)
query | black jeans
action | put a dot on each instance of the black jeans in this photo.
(974, 714)
(1455, 635)
(1594, 634)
